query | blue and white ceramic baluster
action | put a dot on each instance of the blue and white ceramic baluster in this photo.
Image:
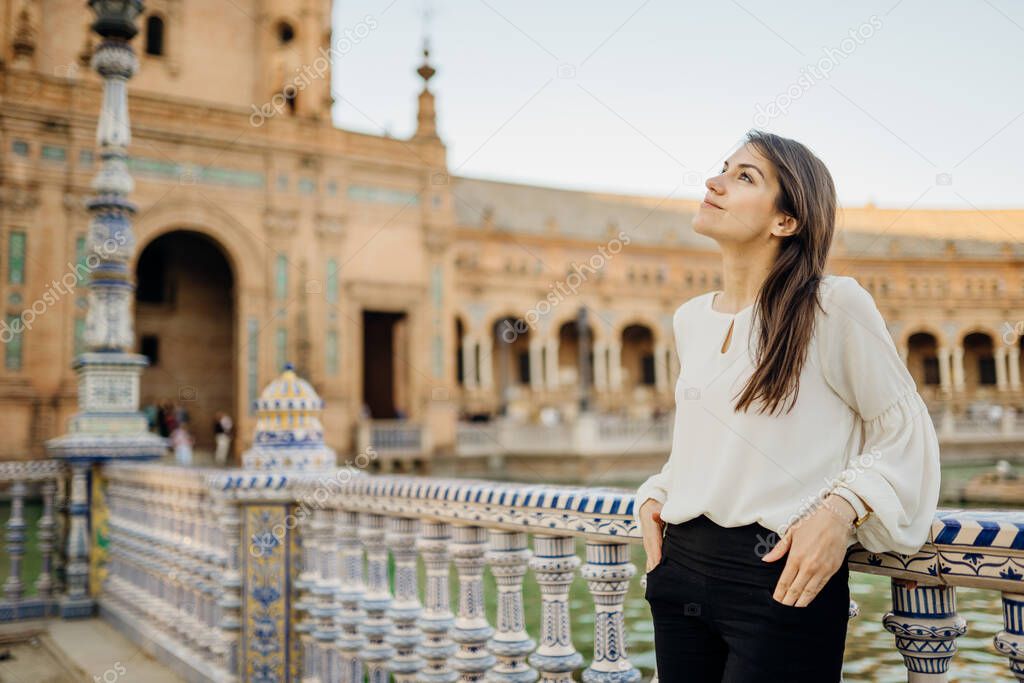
(1010, 641)
(350, 643)
(324, 609)
(608, 572)
(471, 631)
(926, 625)
(508, 558)
(376, 626)
(437, 620)
(554, 563)
(405, 607)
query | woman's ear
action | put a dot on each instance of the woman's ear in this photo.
(785, 227)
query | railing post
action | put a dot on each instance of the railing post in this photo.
(608, 571)
(471, 630)
(1010, 641)
(437, 619)
(926, 625)
(324, 611)
(508, 558)
(554, 563)
(405, 608)
(308, 573)
(47, 536)
(230, 602)
(14, 588)
(350, 642)
(376, 626)
(76, 601)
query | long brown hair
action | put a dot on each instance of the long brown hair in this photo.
(784, 308)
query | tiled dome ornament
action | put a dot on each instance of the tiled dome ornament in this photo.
(289, 435)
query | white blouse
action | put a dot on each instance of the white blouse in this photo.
(858, 421)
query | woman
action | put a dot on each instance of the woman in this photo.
(798, 432)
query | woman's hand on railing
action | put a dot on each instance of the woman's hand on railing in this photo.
(651, 526)
(817, 548)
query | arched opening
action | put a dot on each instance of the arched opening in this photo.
(569, 366)
(511, 363)
(923, 359)
(460, 366)
(155, 35)
(637, 357)
(185, 323)
(979, 361)
(285, 32)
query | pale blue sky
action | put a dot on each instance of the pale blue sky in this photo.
(652, 95)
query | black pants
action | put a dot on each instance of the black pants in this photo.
(715, 620)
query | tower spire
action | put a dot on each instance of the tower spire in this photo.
(426, 120)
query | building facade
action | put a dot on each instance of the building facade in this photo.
(266, 236)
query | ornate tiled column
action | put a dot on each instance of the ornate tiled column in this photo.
(350, 642)
(608, 571)
(508, 558)
(108, 424)
(471, 630)
(405, 607)
(926, 625)
(1010, 641)
(554, 563)
(437, 620)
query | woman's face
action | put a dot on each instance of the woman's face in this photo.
(742, 199)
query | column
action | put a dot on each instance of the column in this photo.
(536, 365)
(377, 599)
(554, 563)
(350, 642)
(1000, 359)
(552, 361)
(508, 557)
(471, 629)
(405, 607)
(437, 647)
(325, 609)
(76, 601)
(926, 625)
(1010, 641)
(600, 365)
(615, 364)
(468, 362)
(660, 371)
(1013, 361)
(945, 361)
(608, 571)
(486, 362)
(958, 368)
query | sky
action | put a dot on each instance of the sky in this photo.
(910, 103)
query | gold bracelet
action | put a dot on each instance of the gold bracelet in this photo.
(852, 527)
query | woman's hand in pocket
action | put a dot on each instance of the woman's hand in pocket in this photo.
(651, 527)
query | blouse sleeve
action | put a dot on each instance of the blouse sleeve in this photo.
(897, 474)
(655, 487)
